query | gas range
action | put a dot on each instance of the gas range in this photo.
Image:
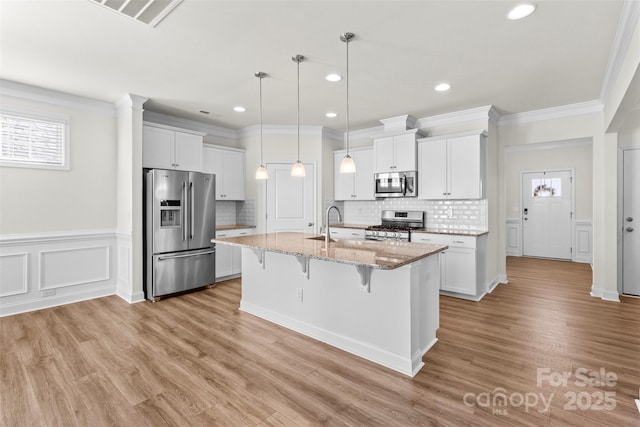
(396, 225)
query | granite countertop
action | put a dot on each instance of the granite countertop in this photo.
(233, 227)
(356, 226)
(385, 255)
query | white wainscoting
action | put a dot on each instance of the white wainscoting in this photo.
(514, 234)
(582, 244)
(582, 248)
(50, 269)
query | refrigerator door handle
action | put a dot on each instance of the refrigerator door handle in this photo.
(192, 209)
(164, 258)
(184, 213)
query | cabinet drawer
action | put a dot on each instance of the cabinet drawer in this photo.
(347, 233)
(235, 232)
(445, 239)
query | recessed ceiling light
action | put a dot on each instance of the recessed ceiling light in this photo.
(521, 11)
(239, 109)
(443, 87)
(331, 115)
(333, 77)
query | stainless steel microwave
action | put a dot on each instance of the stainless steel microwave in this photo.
(396, 184)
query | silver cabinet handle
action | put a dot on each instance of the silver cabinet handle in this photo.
(629, 229)
(628, 219)
(310, 224)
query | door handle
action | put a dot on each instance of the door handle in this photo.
(164, 258)
(184, 211)
(310, 224)
(629, 229)
(192, 208)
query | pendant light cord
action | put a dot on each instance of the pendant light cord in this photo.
(261, 163)
(298, 115)
(347, 41)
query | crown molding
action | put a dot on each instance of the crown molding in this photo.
(39, 94)
(629, 18)
(254, 130)
(130, 101)
(163, 119)
(372, 132)
(561, 111)
(548, 145)
(478, 113)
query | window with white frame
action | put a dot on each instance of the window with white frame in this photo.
(36, 141)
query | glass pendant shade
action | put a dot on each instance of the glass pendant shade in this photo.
(261, 173)
(298, 169)
(347, 165)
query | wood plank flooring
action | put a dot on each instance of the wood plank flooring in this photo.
(197, 360)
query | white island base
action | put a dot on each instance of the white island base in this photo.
(392, 321)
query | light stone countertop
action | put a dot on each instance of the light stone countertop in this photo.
(233, 227)
(386, 255)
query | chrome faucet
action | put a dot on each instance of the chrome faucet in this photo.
(327, 236)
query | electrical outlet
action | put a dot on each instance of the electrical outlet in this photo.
(300, 295)
(48, 293)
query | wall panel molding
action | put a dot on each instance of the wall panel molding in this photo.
(50, 269)
(14, 274)
(582, 247)
(514, 234)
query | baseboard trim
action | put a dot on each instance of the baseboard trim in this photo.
(55, 301)
(129, 297)
(605, 294)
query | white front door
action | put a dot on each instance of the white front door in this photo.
(290, 200)
(631, 222)
(547, 214)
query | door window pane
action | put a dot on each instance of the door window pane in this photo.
(546, 187)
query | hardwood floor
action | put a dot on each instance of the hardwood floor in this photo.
(197, 360)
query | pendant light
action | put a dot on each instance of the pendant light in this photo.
(347, 165)
(298, 168)
(261, 172)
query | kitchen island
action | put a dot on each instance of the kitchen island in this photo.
(378, 300)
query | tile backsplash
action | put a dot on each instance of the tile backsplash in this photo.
(241, 212)
(441, 214)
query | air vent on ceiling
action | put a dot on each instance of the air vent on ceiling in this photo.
(149, 12)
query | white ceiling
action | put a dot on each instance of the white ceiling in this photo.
(204, 54)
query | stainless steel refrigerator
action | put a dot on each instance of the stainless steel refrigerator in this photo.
(180, 221)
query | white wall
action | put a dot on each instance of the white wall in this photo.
(83, 198)
(57, 228)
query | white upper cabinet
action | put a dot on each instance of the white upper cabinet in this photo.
(452, 167)
(168, 148)
(354, 186)
(229, 166)
(395, 153)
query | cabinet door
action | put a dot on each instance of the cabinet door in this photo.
(188, 152)
(384, 154)
(363, 185)
(236, 258)
(459, 271)
(158, 148)
(432, 169)
(224, 258)
(233, 175)
(464, 167)
(343, 183)
(212, 162)
(405, 152)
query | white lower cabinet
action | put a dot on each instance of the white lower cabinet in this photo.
(347, 233)
(462, 265)
(229, 258)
